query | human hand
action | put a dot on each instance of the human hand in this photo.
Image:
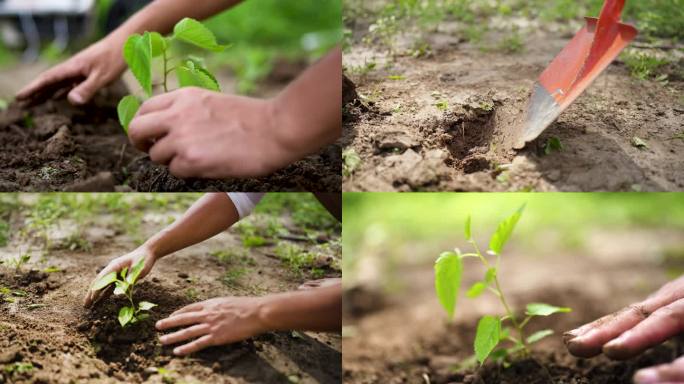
(116, 265)
(213, 322)
(92, 69)
(634, 329)
(199, 133)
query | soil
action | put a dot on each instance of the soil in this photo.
(407, 143)
(47, 326)
(53, 146)
(405, 338)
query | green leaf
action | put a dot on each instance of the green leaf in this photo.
(192, 75)
(476, 289)
(104, 281)
(468, 234)
(125, 315)
(552, 145)
(123, 273)
(135, 271)
(143, 316)
(158, 44)
(505, 333)
(448, 270)
(535, 337)
(487, 337)
(146, 305)
(639, 143)
(541, 309)
(138, 55)
(127, 109)
(490, 275)
(503, 232)
(121, 287)
(193, 32)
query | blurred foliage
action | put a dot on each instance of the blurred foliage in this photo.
(263, 31)
(388, 221)
(304, 208)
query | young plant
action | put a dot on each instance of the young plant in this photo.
(124, 283)
(491, 330)
(140, 50)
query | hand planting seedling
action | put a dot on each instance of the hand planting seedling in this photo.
(491, 330)
(140, 50)
(124, 282)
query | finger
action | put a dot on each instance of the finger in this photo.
(86, 90)
(185, 334)
(157, 103)
(593, 336)
(181, 169)
(54, 75)
(662, 374)
(144, 130)
(194, 346)
(94, 296)
(180, 320)
(664, 323)
(189, 308)
(163, 151)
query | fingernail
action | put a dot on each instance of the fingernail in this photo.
(158, 324)
(76, 98)
(162, 339)
(569, 336)
(647, 376)
(177, 351)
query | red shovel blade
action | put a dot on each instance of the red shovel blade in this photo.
(588, 54)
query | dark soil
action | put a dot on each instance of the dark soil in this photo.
(53, 146)
(43, 322)
(403, 336)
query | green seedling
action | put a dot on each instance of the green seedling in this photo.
(639, 143)
(553, 145)
(18, 367)
(18, 262)
(140, 50)
(492, 330)
(350, 162)
(124, 283)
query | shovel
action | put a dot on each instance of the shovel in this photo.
(575, 68)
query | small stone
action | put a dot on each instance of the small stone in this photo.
(388, 141)
(183, 275)
(83, 326)
(9, 355)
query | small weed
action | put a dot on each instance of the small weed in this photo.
(296, 259)
(396, 77)
(18, 367)
(639, 143)
(52, 269)
(3, 104)
(232, 277)
(191, 294)
(18, 262)
(76, 242)
(490, 331)
(512, 44)
(553, 144)
(442, 105)
(351, 161)
(642, 65)
(125, 282)
(47, 173)
(253, 241)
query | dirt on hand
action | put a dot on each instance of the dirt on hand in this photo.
(50, 145)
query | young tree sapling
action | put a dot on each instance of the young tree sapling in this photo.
(140, 50)
(491, 330)
(124, 283)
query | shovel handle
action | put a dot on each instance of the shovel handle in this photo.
(612, 10)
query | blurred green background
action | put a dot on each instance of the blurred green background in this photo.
(263, 33)
(420, 225)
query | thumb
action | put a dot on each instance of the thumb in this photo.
(86, 90)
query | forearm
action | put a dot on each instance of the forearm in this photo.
(310, 108)
(317, 309)
(161, 15)
(209, 216)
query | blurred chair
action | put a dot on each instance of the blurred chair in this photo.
(30, 22)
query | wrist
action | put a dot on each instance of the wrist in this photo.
(266, 314)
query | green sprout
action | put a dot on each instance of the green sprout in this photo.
(491, 330)
(553, 144)
(140, 50)
(17, 262)
(124, 283)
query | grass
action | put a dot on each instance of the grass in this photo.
(643, 65)
(297, 260)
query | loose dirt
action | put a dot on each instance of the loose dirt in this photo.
(444, 122)
(46, 325)
(403, 337)
(53, 146)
